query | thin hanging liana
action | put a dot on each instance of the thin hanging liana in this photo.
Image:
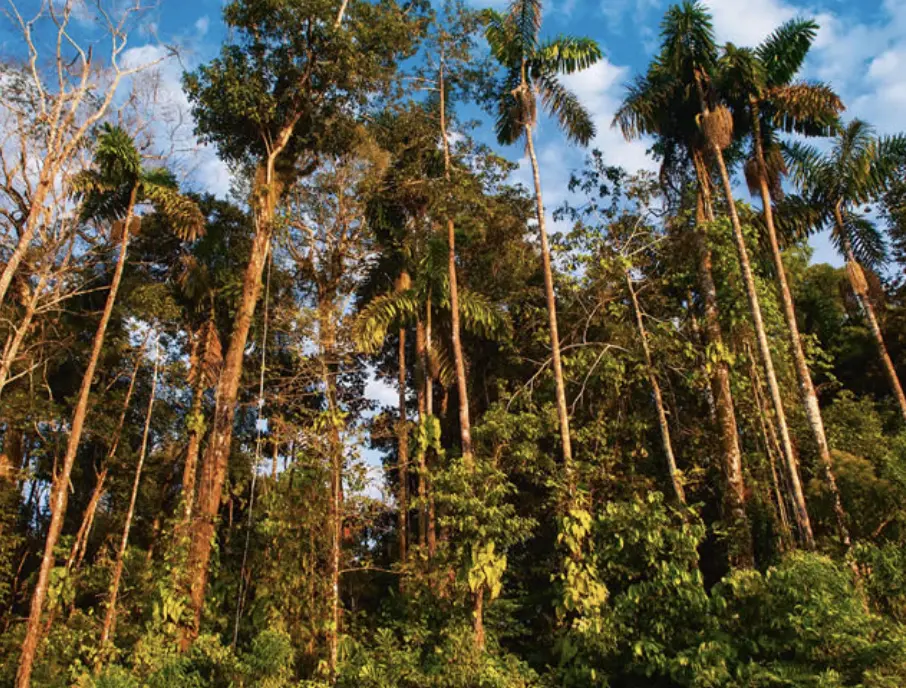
(259, 439)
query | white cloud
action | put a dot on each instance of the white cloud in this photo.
(601, 89)
(202, 25)
(169, 121)
(748, 23)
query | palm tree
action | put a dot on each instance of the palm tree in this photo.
(659, 104)
(532, 69)
(689, 54)
(110, 193)
(854, 171)
(765, 99)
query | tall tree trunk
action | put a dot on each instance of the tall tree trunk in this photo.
(741, 548)
(421, 385)
(402, 431)
(426, 465)
(771, 449)
(59, 496)
(196, 417)
(327, 337)
(562, 410)
(465, 425)
(806, 386)
(216, 456)
(656, 391)
(801, 512)
(860, 288)
(110, 617)
(462, 389)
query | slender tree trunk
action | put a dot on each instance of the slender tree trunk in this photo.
(403, 452)
(216, 456)
(421, 355)
(59, 492)
(562, 410)
(196, 417)
(806, 386)
(764, 349)
(426, 465)
(772, 449)
(110, 617)
(741, 552)
(860, 288)
(462, 389)
(326, 334)
(658, 399)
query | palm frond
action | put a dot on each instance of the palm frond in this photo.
(811, 109)
(687, 39)
(783, 52)
(564, 106)
(526, 16)
(887, 159)
(565, 55)
(182, 213)
(868, 242)
(807, 166)
(375, 319)
(511, 110)
(479, 316)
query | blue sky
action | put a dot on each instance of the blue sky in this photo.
(860, 50)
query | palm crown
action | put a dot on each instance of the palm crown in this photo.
(532, 69)
(119, 183)
(759, 88)
(854, 171)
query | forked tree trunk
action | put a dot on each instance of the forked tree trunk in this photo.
(59, 492)
(32, 220)
(860, 288)
(656, 392)
(562, 410)
(734, 498)
(110, 617)
(12, 350)
(798, 496)
(806, 386)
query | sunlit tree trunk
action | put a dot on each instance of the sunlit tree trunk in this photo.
(798, 496)
(59, 492)
(562, 410)
(110, 617)
(806, 386)
(267, 193)
(734, 498)
(421, 394)
(656, 392)
(327, 341)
